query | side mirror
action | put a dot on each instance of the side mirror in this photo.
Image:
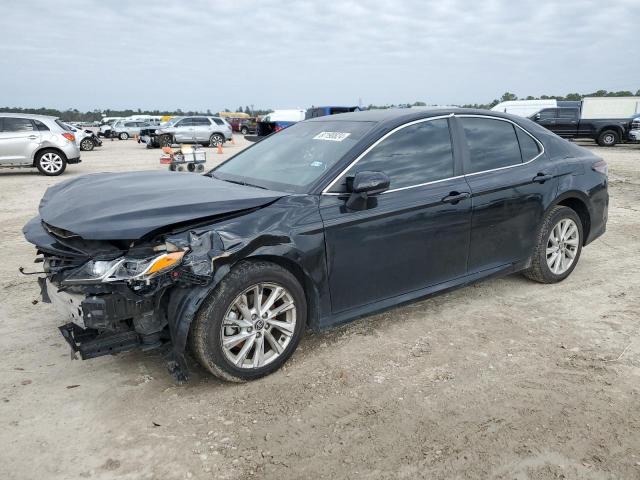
(364, 185)
(537, 117)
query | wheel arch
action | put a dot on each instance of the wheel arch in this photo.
(47, 148)
(579, 203)
(303, 277)
(616, 128)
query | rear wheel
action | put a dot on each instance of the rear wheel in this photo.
(251, 323)
(558, 247)
(51, 163)
(123, 136)
(87, 144)
(215, 140)
(244, 130)
(608, 138)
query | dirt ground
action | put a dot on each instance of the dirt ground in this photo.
(507, 379)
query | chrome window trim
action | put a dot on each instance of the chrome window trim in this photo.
(375, 144)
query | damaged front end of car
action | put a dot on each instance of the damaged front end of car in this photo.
(124, 297)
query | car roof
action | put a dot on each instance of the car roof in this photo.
(32, 116)
(403, 115)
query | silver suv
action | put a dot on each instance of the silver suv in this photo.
(124, 129)
(36, 141)
(212, 131)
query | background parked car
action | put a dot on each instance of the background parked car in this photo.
(105, 128)
(86, 140)
(211, 131)
(37, 141)
(247, 126)
(123, 129)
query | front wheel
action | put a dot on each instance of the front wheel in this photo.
(608, 138)
(166, 141)
(558, 247)
(251, 323)
(123, 136)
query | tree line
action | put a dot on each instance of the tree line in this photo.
(74, 115)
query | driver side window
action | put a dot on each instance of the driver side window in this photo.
(413, 155)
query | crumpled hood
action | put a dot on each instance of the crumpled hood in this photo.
(127, 206)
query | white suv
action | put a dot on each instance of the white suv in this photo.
(36, 141)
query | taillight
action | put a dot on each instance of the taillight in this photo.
(69, 136)
(601, 167)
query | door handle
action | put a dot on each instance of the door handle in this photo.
(455, 197)
(32, 137)
(542, 177)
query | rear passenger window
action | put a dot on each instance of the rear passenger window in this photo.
(492, 144)
(41, 126)
(218, 121)
(528, 146)
(17, 125)
(414, 155)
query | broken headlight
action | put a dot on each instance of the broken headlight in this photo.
(125, 268)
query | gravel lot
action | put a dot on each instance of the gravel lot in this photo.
(507, 379)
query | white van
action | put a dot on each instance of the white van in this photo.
(524, 108)
(285, 116)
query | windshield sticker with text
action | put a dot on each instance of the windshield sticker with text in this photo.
(332, 136)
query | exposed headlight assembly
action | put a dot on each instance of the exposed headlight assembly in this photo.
(124, 269)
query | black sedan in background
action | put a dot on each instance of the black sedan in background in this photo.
(328, 220)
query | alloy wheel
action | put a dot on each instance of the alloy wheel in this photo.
(216, 140)
(562, 246)
(258, 326)
(51, 162)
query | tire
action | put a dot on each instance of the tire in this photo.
(191, 167)
(172, 167)
(244, 130)
(87, 144)
(215, 140)
(608, 138)
(165, 141)
(208, 332)
(543, 269)
(123, 136)
(51, 163)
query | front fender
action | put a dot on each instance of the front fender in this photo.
(183, 306)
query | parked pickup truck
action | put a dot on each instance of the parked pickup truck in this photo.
(566, 122)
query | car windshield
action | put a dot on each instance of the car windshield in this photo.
(294, 158)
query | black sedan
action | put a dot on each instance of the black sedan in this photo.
(326, 221)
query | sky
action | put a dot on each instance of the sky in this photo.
(199, 55)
